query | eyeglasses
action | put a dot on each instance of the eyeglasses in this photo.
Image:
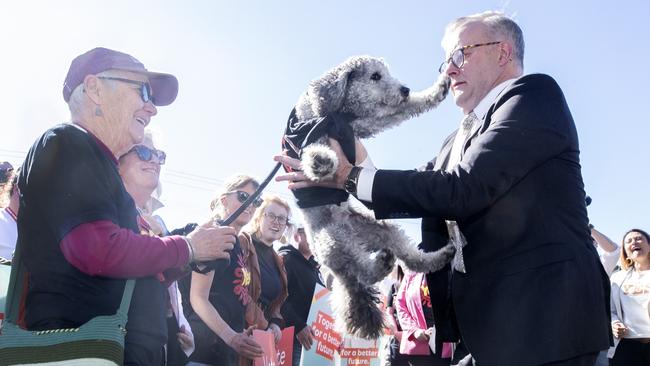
(243, 196)
(145, 87)
(146, 154)
(458, 56)
(283, 220)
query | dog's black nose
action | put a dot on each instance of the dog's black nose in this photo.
(405, 91)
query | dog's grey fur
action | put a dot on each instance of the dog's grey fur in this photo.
(343, 237)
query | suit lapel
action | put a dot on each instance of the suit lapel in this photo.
(488, 117)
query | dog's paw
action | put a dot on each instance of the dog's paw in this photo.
(319, 162)
(444, 255)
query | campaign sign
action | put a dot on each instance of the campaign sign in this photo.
(326, 340)
(357, 351)
(331, 348)
(266, 340)
(285, 347)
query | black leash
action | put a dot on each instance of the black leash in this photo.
(209, 266)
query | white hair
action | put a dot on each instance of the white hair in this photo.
(78, 101)
(499, 25)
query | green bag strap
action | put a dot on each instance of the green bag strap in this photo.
(17, 280)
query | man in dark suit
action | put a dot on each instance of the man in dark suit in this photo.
(527, 287)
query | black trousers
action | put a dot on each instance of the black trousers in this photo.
(582, 360)
(138, 355)
(631, 353)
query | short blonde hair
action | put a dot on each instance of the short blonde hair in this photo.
(255, 226)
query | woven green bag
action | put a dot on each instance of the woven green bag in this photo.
(100, 341)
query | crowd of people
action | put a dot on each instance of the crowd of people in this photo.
(526, 286)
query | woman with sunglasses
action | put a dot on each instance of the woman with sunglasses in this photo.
(268, 225)
(140, 172)
(630, 302)
(218, 299)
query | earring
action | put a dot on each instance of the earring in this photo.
(98, 112)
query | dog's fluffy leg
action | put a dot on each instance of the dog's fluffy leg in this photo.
(415, 259)
(357, 308)
(319, 162)
(419, 261)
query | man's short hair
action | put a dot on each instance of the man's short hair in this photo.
(500, 25)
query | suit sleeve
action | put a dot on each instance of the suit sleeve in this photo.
(530, 125)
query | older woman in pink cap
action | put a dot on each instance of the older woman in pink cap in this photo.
(78, 230)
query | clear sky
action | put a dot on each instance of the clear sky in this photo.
(243, 64)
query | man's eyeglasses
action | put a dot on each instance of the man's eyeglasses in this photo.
(146, 154)
(283, 220)
(145, 87)
(243, 196)
(458, 56)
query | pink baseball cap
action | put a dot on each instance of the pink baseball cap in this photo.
(164, 87)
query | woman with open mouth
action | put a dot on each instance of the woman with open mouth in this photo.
(630, 302)
(269, 225)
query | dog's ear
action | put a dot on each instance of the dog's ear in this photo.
(327, 93)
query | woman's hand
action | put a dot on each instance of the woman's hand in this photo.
(245, 345)
(277, 333)
(619, 329)
(421, 335)
(185, 339)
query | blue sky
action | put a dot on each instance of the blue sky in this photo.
(243, 64)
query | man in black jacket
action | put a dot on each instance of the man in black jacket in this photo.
(527, 287)
(302, 276)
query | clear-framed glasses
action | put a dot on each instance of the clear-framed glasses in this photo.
(146, 154)
(242, 196)
(457, 57)
(145, 87)
(282, 220)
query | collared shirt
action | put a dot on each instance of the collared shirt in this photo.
(367, 175)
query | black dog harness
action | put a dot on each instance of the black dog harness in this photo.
(299, 134)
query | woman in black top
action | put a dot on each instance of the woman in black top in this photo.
(219, 298)
(267, 226)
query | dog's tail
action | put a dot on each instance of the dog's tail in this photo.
(357, 309)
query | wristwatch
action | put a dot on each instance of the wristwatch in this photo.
(351, 181)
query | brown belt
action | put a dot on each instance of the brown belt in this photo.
(640, 340)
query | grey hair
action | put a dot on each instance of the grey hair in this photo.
(500, 26)
(77, 99)
(229, 185)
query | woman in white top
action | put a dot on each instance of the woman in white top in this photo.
(630, 298)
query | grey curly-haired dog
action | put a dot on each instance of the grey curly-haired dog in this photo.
(358, 98)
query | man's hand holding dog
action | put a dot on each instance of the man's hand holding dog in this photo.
(297, 178)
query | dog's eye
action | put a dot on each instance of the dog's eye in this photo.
(376, 76)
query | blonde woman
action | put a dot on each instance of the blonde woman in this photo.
(631, 302)
(269, 224)
(219, 298)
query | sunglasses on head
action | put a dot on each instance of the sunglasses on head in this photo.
(146, 154)
(243, 196)
(145, 87)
